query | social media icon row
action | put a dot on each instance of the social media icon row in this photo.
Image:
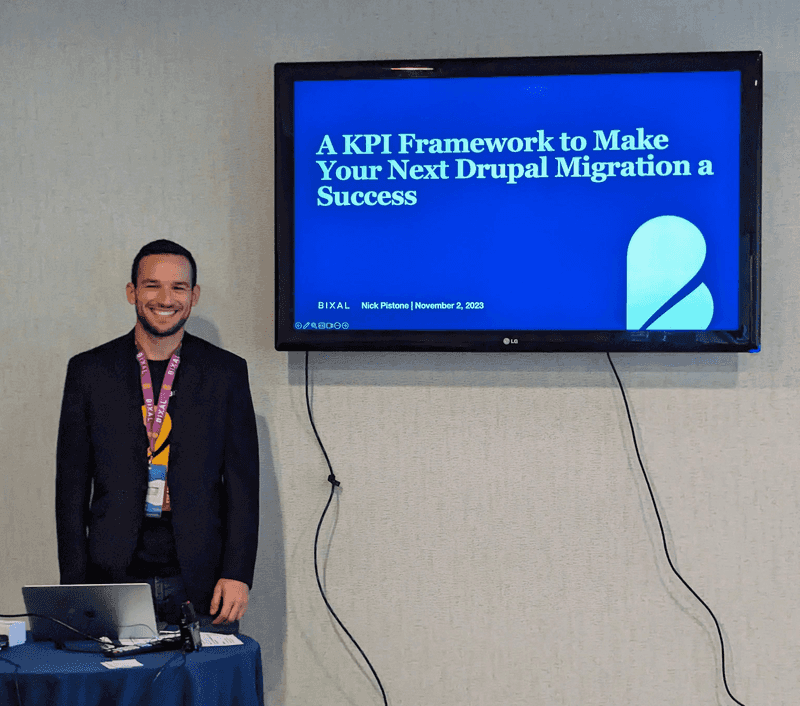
(322, 325)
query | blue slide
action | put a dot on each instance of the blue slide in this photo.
(587, 202)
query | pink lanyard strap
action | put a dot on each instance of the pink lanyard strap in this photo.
(155, 415)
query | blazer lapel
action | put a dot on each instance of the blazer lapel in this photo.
(187, 383)
(132, 390)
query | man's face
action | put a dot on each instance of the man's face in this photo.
(163, 294)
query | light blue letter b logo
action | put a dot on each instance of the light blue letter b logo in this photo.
(664, 254)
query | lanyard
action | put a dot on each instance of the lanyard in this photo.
(155, 415)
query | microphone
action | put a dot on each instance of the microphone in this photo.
(190, 628)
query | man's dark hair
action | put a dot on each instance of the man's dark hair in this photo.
(162, 247)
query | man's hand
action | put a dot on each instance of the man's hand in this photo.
(232, 596)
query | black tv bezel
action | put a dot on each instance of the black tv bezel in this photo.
(745, 339)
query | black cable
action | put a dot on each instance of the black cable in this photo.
(663, 535)
(183, 653)
(55, 620)
(332, 480)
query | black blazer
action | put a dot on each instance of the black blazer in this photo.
(101, 467)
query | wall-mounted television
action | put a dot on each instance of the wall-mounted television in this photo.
(582, 203)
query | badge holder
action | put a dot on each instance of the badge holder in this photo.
(156, 483)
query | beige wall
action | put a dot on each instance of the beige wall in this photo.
(493, 542)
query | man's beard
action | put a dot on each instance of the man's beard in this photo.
(146, 325)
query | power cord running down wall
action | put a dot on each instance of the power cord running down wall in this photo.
(332, 480)
(663, 535)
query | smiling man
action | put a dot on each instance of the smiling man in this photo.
(157, 456)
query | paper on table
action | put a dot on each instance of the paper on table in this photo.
(213, 639)
(122, 664)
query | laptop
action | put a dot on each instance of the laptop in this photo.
(117, 611)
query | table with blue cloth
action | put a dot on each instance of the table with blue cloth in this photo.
(36, 673)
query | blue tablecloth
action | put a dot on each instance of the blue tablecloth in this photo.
(37, 674)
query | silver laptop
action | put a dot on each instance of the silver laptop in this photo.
(116, 611)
